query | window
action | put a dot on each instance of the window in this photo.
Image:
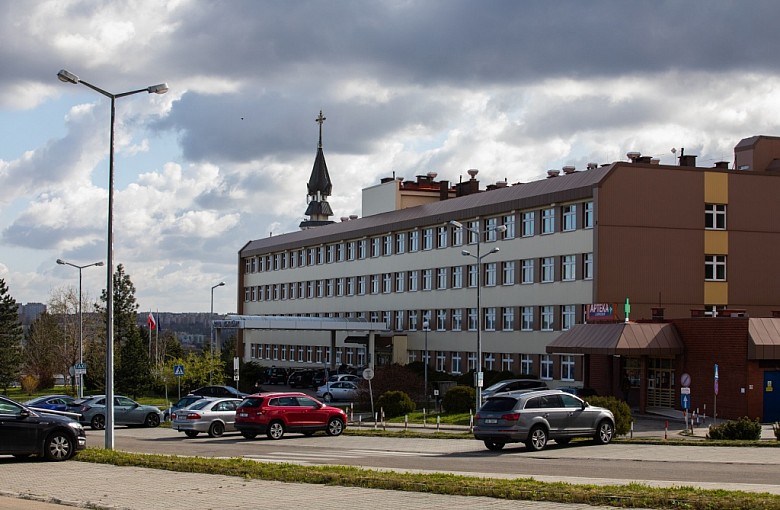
(331, 255)
(490, 229)
(715, 216)
(509, 223)
(457, 236)
(568, 316)
(400, 278)
(567, 368)
(374, 284)
(715, 268)
(528, 271)
(441, 358)
(308, 353)
(457, 277)
(351, 286)
(506, 362)
(428, 238)
(387, 283)
(490, 318)
(529, 221)
(473, 232)
(413, 278)
(441, 234)
(399, 320)
(472, 361)
(412, 320)
(508, 318)
(587, 266)
(527, 318)
(508, 270)
(457, 319)
(312, 259)
(400, 243)
(587, 215)
(490, 361)
(456, 363)
(472, 319)
(548, 221)
(340, 286)
(569, 218)
(548, 269)
(361, 285)
(427, 277)
(301, 257)
(547, 318)
(568, 265)
(473, 275)
(490, 274)
(362, 248)
(441, 320)
(330, 285)
(340, 252)
(320, 288)
(546, 367)
(351, 246)
(526, 364)
(321, 255)
(414, 240)
(374, 316)
(388, 245)
(441, 278)
(376, 246)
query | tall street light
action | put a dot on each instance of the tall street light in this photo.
(162, 88)
(479, 235)
(80, 377)
(211, 320)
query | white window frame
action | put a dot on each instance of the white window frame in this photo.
(526, 364)
(526, 318)
(568, 268)
(546, 367)
(587, 266)
(567, 367)
(569, 213)
(508, 270)
(548, 269)
(715, 268)
(715, 216)
(508, 318)
(547, 317)
(529, 223)
(587, 214)
(568, 316)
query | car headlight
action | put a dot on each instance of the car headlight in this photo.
(75, 425)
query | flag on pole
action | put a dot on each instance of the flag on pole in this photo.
(150, 320)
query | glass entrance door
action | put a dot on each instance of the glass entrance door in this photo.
(660, 382)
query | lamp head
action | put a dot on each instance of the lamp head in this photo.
(61, 262)
(466, 253)
(99, 263)
(501, 228)
(162, 88)
(220, 284)
(456, 224)
(494, 250)
(67, 77)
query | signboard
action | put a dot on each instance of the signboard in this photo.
(716, 379)
(601, 312)
(80, 368)
(685, 380)
(685, 401)
(178, 370)
(368, 374)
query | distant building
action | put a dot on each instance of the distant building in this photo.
(29, 312)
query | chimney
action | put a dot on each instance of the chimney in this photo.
(633, 156)
(657, 314)
(722, 164)
(688, 160)
(444, 190)
(655, 161)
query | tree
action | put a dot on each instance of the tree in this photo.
(133, 374)
(11, 334)
(40, 351)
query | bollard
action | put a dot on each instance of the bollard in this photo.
(666, 430)
(376, 418)
(406, 422)
(471, 422)
(631, 436)
(384, 424)
(424, 416)
(360, 420)
(351, 411)
(438, 422)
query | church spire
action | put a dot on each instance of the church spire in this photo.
(319, 188)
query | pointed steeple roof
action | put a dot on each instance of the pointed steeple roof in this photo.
(319, 181)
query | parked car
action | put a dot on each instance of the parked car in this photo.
(344, 377)
(219, 391)
(51, 402)
(25, 432)
(183, 402)
(276, 375)
(339, 390)
(508, 385)
(580, 392)
(126, 412)
(300, 379)
(214, 416)
(319, 378)
(535, 417)
(275, 414)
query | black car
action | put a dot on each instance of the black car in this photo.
(24, 432)
(276, 375)
(300, 379)
(219, 391)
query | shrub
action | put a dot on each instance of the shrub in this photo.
(459, 399)
(776, 429)
(395, 403)
(29, 384)
(619, 408)
(744, 428)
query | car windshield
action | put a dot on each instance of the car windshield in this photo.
(495, 386)
(252, 402)
(499, 405)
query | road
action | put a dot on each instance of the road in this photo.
(707, 467)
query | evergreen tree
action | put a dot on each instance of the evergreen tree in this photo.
(41, 350)
(133, 375)
(11, 334)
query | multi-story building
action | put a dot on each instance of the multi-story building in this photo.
(661, 236)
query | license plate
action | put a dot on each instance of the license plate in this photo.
(243, 415)
(491, 421)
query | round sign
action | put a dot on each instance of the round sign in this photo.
(685, 380)
(368, 374)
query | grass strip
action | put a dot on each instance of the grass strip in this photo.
(625, 496)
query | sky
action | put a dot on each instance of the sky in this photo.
(512, 88)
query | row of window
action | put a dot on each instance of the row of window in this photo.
(445, 361)
(543, 270)
(427, 238)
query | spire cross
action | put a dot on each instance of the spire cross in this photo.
(319, 120)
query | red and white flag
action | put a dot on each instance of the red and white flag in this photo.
(150, 320)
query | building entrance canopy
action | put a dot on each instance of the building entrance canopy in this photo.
(624, 339)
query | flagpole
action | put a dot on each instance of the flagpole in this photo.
(149, 324)
(157, 341)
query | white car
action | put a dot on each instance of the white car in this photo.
(339, 390)
(213, 416)
(344, 377)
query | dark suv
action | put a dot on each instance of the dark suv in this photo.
(274, 414)
(276, 375)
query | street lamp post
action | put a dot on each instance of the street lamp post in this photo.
(211, 320)
(162, 88)
(479, 234)
(80, 378)
(426, 328)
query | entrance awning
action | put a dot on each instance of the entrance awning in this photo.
(764, 339)
(625, 339)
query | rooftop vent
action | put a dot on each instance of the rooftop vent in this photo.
(569, 169)
(473, 173)
(345, 218)
(553, 173)
(655, 161)
(501, 184)
(353, 216)
(592, 166)
(432, 175)
(633, 156)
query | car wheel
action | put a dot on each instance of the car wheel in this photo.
(217, 429)
(563, 440)
(248, 435)
(327, 397)
(537, 439)
(98, 422)
(152, 420)
(58, 446)
(275, 430)
(494, 446)
(335, 427)
(604, 432)
(191, 433)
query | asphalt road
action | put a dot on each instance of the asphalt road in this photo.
(706, 467)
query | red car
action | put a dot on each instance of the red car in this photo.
(277, 413)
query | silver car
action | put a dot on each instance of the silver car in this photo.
(126, 412)
(339, 390)
(535, 417)
(214, 416)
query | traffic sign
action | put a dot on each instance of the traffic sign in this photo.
(368, 374)
(178, 370)
(685, 401)
(80, 368)
(685, 380)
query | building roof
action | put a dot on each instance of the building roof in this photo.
(763, 338)
(624, 339)
(566, 187)
(319, 181)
